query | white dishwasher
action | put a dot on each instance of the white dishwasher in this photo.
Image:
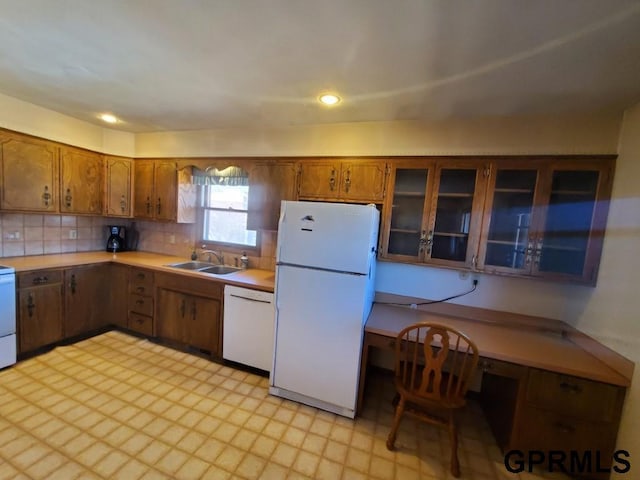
(247, 336)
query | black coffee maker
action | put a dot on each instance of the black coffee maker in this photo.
(117, 239)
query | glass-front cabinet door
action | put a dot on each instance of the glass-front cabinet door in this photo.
(570, 230)
(506, 245)
(456, 213)
(405, 233)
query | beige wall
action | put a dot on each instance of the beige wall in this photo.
(41, 122)
(500, 135)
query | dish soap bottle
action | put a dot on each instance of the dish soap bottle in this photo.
(244, 261)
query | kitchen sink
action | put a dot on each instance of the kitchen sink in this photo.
(205, 267)
(194, 265)
(220, 269)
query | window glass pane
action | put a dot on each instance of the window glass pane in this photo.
(226, 196)
(227, 226)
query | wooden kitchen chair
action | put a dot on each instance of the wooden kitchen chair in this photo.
(433, 366)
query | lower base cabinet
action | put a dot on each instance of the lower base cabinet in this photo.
(188, 312)
(85, 299)
(542, 411)
(40, 320)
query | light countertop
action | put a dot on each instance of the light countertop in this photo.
(250, 278)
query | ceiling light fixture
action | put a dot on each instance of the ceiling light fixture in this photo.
(329, 99)
(107, 117)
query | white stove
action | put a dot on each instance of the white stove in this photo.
(7, 316)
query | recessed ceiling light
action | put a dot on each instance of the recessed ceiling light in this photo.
(329, 99)
(107, 117)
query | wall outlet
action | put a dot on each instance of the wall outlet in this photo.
(172, 238)
(463, 275)
(73, 234)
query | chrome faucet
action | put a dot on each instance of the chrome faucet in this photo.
(218, 255)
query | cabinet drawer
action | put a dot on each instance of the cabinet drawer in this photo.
(41, 277)
(503, 369)
(141, 304)
(141, 289)
(140, 323)
(572, 396)
(141, 279)
(544, 430)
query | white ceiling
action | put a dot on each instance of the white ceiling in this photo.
(199, 64)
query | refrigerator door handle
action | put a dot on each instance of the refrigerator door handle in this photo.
(330, 270)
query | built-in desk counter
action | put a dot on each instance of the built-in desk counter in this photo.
(545, 385)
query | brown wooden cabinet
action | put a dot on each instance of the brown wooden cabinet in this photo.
(435, 213)
(40, 300)
(541, 217)
(117, 295)
(269, 184)
(80, 181)
(189, 312)
(140, 301)
(354, 180)
(561, 412)
(28, 174)
(162, 192)
(546, 218)
(85, 308)
(117, 186)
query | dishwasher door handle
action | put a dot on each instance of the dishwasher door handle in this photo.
(250, 299)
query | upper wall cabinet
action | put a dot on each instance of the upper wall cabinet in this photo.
(80, 181)
(117, 186)
(162, 192)
(28, 174)
(359, 181)
(534, 217)
(546, 218)
(269, 184)
(435, 213)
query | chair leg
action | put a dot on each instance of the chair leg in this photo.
(453, 439)
(391, 439)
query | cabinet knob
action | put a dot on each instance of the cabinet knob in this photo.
(68, 198)
(159, 206)
(123, 203)
(73, 284)
(182, 308)
(347, 181)
(148, 205)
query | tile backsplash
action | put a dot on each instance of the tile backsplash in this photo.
(27, 234)
(180, 239)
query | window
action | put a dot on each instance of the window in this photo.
(223, 203)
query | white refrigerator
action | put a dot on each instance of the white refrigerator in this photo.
(325, 271)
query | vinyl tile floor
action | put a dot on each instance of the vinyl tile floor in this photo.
(119, 407)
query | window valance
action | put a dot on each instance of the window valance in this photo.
(233, 176)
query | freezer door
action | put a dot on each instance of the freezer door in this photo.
(333, 236)
(319, 327)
